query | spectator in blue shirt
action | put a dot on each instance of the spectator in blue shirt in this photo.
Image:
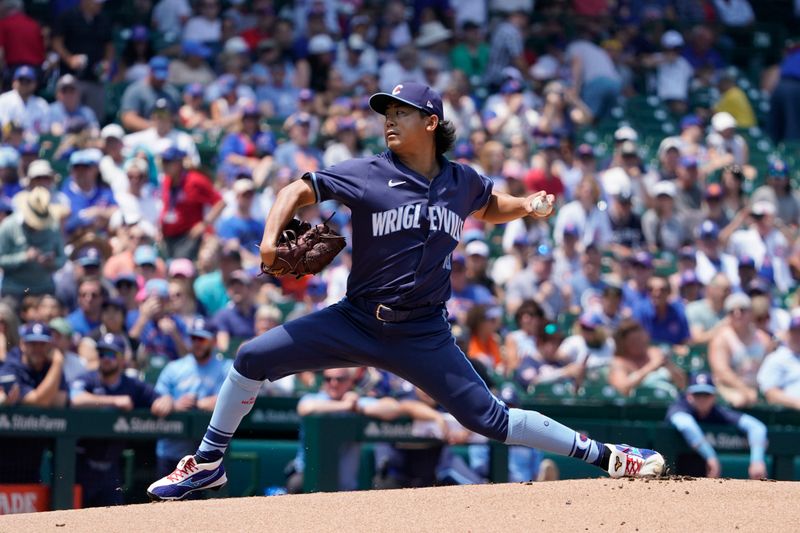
(160, 334)
(464, 294)
(193, 382)
(664, 320)
(68, 105)
(90, 302)
(209, 289)
(634, 292)
(98, 462)
(297, 153)
(242, 227)
(237, 319)
(91, 201)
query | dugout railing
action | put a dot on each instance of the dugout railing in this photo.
(276, 418)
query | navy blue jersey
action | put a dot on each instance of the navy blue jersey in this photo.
(717, 415)
(404, 225)
(15, 371)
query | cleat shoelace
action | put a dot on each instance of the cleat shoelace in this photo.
(183, 470)
(633, 465)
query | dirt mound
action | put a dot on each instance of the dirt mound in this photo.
(675, 504)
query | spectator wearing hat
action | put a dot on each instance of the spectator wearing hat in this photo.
(192, 66)
(298, 153)
(710, 257)
(139, 98)
(626, 224)
(205, 26)
(243, 149)
(31, 246)
(20, 105)
(765, 243)
(193, 114)
(536, 282)
(689, 186)
(91, 201)
(242, 228)
(404, 67)
(592, 223)
(779, 375)
(725, 146)
(567, 258)
(186, 194)
(662, 317)
(354, 60)
(509, 114)
(638, 364)
(98, 462)
(193, 382)
(68, 105)
(638, 272)
(778, 191)
(113, 319)
(586, 284)
(713, 207)
(127, 289)
(61, 331)
(589, 347)
(563, 111)
(506, 47)
(707, 316)
(736, 352)
(699, 405)
(312, 299)
(673, 72)
(40, 174)
(163, 134)
(347, 143)
(168, 15)
(661, 225)
(148, 265)
(277, 92)
(35, 379)
(477, 262)
(134, 61)
(733, 100)
(160, 334)
(113, 161)
(235, 322)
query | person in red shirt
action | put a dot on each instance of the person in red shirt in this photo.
(185, 194)
(542, 177)
(264, 28)
(21, 39)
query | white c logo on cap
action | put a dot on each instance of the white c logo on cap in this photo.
(397, 89)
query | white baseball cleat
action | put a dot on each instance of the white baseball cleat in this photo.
(627, 461)
(189, 476)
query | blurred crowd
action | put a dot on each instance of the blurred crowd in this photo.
(143, 145)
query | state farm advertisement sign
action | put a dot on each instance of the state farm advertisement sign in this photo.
(32, 498)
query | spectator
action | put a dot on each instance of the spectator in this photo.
(507, 47)
(192, 382)
(689, 185)
(477, 261)
(181, 296)
(734, 13)
(170, 15)
(509, 115)
(21, 39)
(700, 52)
(31, 247)
(206, 26)
(663, 319)
(763, 242)
(242, 150)
(297, 153)
(186, 192)
(193, 114)
(68, 105)
(471, 54)
(711, 260)
(139, 98)
(637, 364)
(353, 64)
(483, 323)
(313, 299)
(778, 191)
(159, 137)
(74, 367)
(277, 94)
(611, 309)
(783, 121)
(538, 283)
(113, 313)
(587, 284)
(404, 67)
(210, 287)
(594, 76)
(725, 146)
(112, 164)
(544, 175)
(733, 100)
(90, 302)
(82, 39)
(563, 111)
(779, 375)
(521, 343)
(91, 201)
(235, 323)
(134, 63)
(98, 462)
(591, 348)
(36, 379)
(592, 223)
(567, 259)
(626, 224)
(707, 316)
(661, 225)
(21, 106)
(548, 364)
(673, 73)
(193, 66)
(9, 334)
(736, 352)
(160, 334)
(699, 405)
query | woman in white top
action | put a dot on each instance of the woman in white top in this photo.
(736, 352)
(591, 346)
(521, 343)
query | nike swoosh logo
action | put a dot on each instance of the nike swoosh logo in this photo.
(194, 483)
(395, 183)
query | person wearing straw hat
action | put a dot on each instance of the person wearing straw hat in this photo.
(31, 247)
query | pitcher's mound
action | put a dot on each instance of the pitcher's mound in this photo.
(677, 504)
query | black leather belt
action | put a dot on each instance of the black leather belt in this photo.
(384, 313)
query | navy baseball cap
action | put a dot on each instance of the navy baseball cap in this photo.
(159, 67)
(28, 148)
(89, 257)
(463, 150)
(689, 121)
(709, 230)
(687, 252)
(758, 285)
(410, 93)
(193, 89)
(642, 258)
(111, 344)
(25, 72)
(746, 261)
(571, 230)
(36, 332)
(778, 169)
(794, 323)
(701, 383)
(317, 287)
(200, 327)
(590, 320)
(172, 153)
(117, 303)
(689, 278)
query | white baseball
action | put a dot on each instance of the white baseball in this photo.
(541, 206)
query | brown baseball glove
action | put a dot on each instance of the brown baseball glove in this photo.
(303, 249)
